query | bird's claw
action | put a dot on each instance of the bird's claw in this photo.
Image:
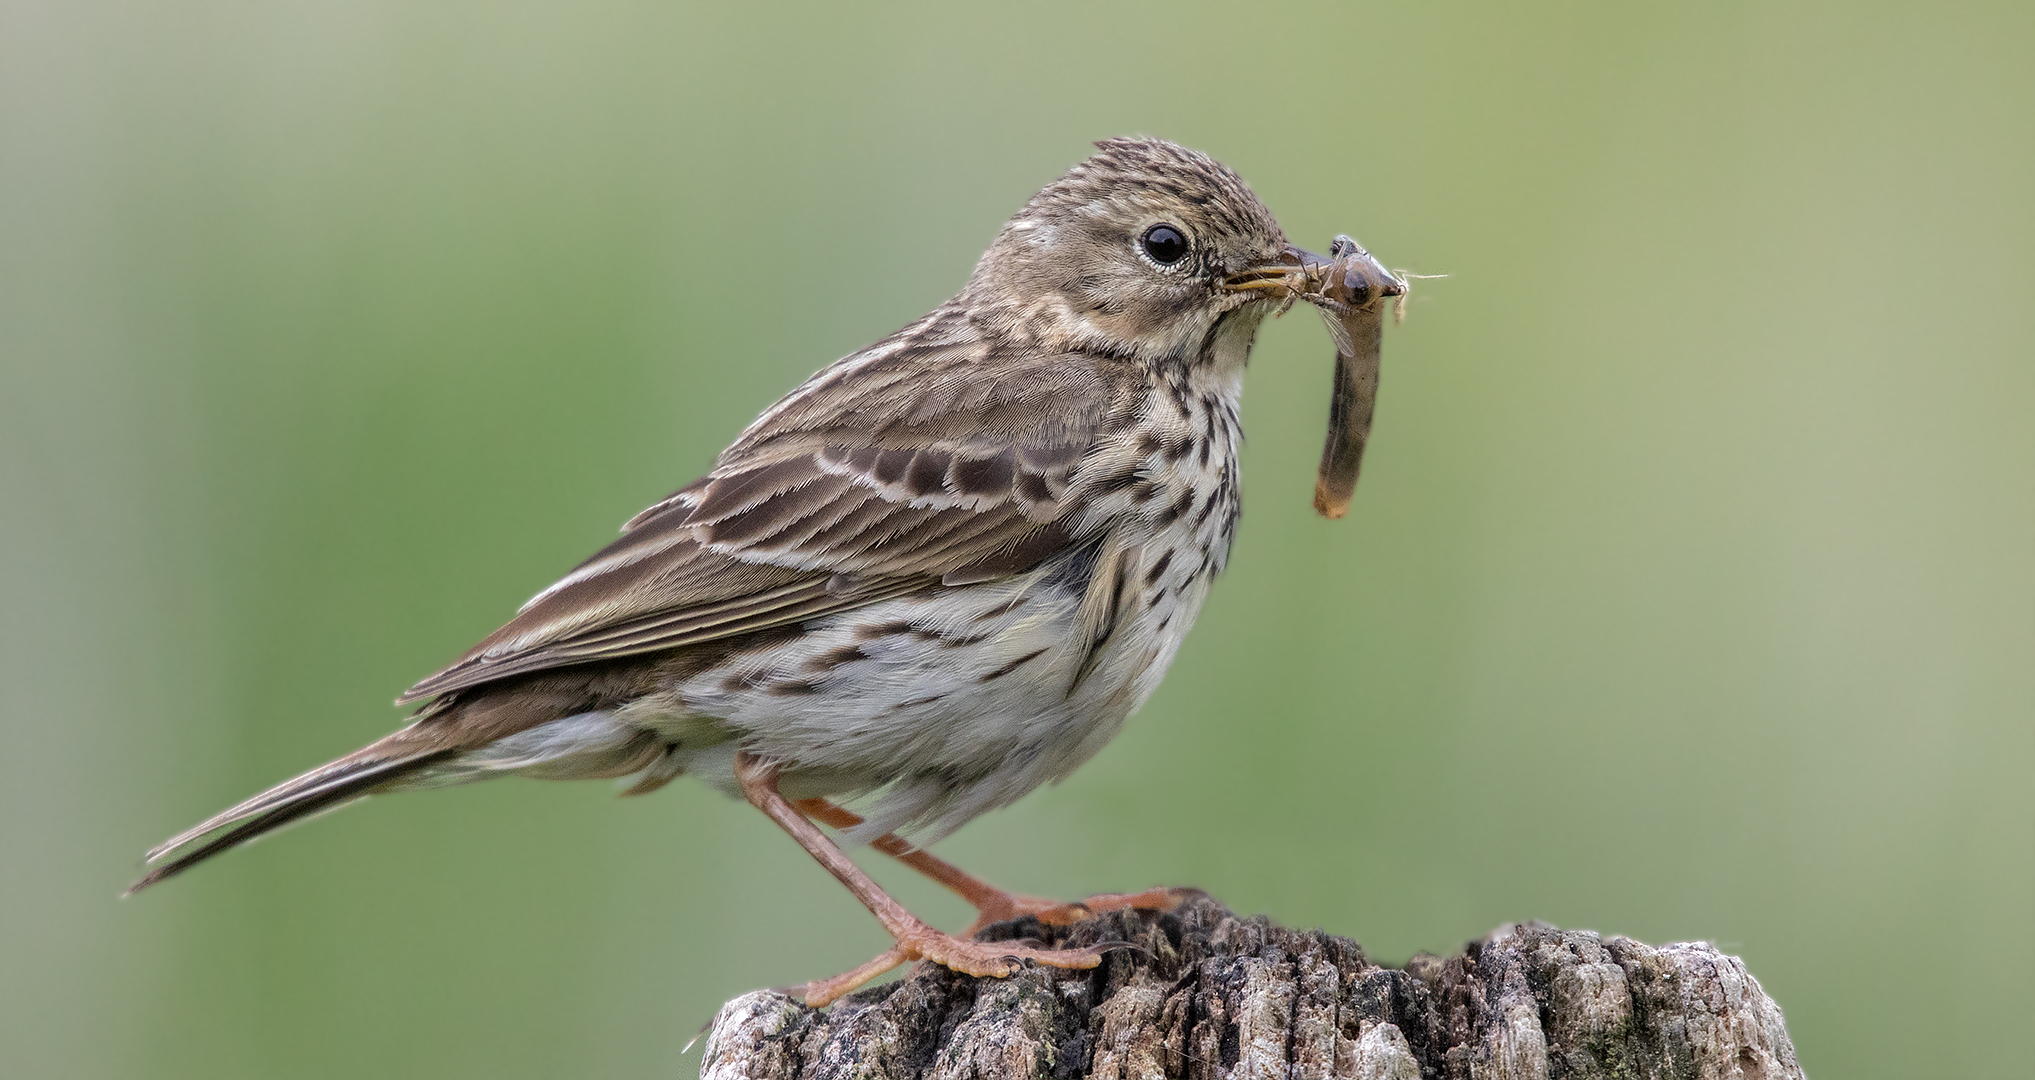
(1065, 913)
(978, 959)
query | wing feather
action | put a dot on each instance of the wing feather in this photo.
(890, 472)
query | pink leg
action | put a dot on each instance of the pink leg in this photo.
(915, 939)
(992, 905)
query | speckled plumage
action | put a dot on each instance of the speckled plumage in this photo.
(940, 573)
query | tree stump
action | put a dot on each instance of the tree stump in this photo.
(1204, 995)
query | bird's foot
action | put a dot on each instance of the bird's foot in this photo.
(1006, 906)
(981, 959)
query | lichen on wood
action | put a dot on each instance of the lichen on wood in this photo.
(1204, 995)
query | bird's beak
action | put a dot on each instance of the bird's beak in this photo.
(1348, 275)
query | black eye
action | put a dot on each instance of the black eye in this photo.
(1164, 244)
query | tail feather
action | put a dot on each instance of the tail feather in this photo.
(325, 788)
(455, 745)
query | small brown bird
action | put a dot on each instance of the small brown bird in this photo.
(935, 576)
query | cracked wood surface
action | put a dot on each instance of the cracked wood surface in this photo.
(1207, 995)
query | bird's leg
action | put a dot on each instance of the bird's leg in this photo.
(992, 905)
(915, 939)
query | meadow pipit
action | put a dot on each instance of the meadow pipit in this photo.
(935, 576)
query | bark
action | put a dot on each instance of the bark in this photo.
(1206, 995)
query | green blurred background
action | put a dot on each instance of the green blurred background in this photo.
(1689, 593)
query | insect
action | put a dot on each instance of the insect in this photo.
(1349, 288)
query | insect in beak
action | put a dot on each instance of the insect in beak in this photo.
(1350, 289)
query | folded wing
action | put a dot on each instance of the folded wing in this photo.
(884, 474)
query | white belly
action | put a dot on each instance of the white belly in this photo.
(948, 703)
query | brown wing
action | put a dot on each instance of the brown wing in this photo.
(927, 459)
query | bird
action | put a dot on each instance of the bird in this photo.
(938, 574)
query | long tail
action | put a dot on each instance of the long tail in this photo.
(326, 787)
(449, 745)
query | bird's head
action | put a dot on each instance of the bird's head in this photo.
(1138, 251)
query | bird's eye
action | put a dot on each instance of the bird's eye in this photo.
(1164, 244)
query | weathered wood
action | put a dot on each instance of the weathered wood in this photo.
(1206, 995)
